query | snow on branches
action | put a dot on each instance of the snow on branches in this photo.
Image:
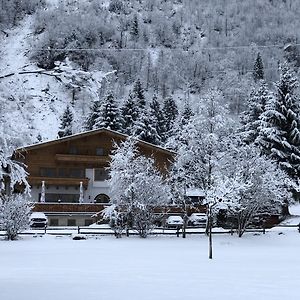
(9, 168)
(15, 212)
(256, 185)
(137, 188)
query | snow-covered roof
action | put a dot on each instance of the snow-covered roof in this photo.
(38, 215)
(194, 192)
(88, 133)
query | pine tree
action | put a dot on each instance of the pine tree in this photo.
(279, 135)
(138, 93)
(257, 106)
(108, 115)
(170, 113)
(144, 129)
(157, 117)
(134, 29)
(186, 114)
(258, 71)
(94, 114)
(129, 114)
(66, 126)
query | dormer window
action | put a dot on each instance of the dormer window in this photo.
(100, 151)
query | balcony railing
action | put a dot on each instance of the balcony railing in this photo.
(68, 207)
(89, 159)
(33, 180)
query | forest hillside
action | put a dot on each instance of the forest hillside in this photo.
(60, 53)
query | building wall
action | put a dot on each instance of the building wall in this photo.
(94, 188)
(65, 220)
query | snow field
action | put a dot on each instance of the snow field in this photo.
(252, 267)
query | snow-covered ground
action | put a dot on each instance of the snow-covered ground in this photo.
(161, 268)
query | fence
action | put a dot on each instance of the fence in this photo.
(68, 231)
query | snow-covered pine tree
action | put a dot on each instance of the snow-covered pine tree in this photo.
(108, 115)
(170, 111)
(139, 94)
(258, 70)
(279, 134)
(186, 114)
(93, 115)
(180, 130)
(251, 121)
(157, 118)
(144, 129)
(66, 125)
(129, 114)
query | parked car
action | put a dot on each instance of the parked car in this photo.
(38, 220)
(174, 221)
(198, 219)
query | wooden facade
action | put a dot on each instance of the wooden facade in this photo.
(80, 151)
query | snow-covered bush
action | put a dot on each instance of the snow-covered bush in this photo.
(117, 219)
(15, 212)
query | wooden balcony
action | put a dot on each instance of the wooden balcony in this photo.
(82, 159)
(68, 207)
(58, 181)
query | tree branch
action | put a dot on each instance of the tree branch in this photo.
(42, 72)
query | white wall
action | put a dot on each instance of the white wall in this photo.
(95, 187)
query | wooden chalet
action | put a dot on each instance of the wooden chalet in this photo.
(62, 171)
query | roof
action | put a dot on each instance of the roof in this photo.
(194, 192)
(89, 133)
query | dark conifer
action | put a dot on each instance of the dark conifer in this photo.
(93, 116)
(138, 93)
(66, 126)
(258, 71)
(157, 117)
(170, 113)
(129, 114)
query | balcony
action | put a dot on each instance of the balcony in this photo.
(68, 207)
(58, 181)
(82, 159)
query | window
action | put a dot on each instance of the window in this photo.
(48, 172)
(73, 150)
(100, 151)
(102, 198)
(76, 173)
(64, 198)
(53, 222)
(88, 222)
(71, 222)
(63, 173)
(100, 174)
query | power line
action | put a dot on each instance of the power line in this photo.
(162, 49)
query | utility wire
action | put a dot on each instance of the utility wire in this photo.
(164, 49)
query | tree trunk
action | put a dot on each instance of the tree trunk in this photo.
(210, 254)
